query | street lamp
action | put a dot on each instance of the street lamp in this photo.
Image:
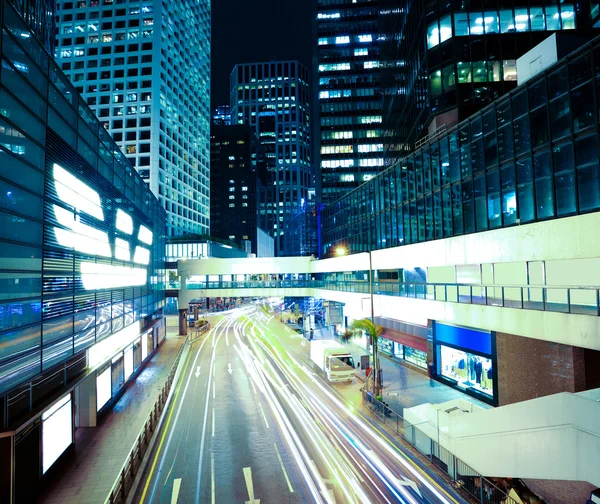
(342, 251)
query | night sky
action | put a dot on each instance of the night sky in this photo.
(247, 31)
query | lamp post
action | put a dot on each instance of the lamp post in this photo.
(341, 251)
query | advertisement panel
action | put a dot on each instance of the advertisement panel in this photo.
(57, 431)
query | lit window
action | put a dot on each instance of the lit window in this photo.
(342, 40)
(365, 38)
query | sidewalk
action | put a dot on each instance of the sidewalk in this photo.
(101, 451)
(404, 387)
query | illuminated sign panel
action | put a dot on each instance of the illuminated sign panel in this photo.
(86, 239)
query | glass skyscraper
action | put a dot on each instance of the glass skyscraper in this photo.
(273, 98)
(144, 69)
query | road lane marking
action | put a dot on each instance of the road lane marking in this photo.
(283, 469)
(229, 370)
(176, 485)
(213, 423)
(198, 371)
(227, 339)
(250, 486)
(263, 415)
(171, 415)
(212, 478)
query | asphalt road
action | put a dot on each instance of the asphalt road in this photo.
(251, 421)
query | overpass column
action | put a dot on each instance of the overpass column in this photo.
(183, 300)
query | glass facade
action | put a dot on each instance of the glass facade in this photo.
(81, 235)
(273, 98)
(466, 370)
(143, 67)
(531, 155)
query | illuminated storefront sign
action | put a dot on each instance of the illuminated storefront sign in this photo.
(86, 239)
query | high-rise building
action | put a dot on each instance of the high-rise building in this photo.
(457, 59)
(82, 256)
(144, 69)
(238, 187)
(273, 98)
(356, 69)
(221, 115)
(39, 16)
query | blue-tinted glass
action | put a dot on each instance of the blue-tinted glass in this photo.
(15, 285)
(564, 179)
(454, 166)
(509, 197)
(16, 113)
(480, 203)
(57, 328)
(468, 206)
(537, 94)
(583, 114)
(493, 199)
(19, 370)
(14, 343)
(13, 141)
(560, 117)
(491, 150)
(522, 135)
(18, 200)
(57, 352)
(586, 150)
(15, 170)
(519, 104)
(539, 127)
(505, 143)
(447, 210)
(20, 229)
(525, 190)
(477, 155)
(544, 194)
(588, 187)
(17, 314)
(580, 69)
(558, 82)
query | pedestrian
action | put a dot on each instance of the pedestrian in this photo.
(312, 333)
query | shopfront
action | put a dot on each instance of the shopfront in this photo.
(404, 347)
(465, 359)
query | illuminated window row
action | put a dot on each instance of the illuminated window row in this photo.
(524, 19)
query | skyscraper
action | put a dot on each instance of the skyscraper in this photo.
(350, 94)
(273, 98)
(237, 187)
(144, 69)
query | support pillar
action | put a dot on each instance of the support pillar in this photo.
(85, 397)
(183, 323)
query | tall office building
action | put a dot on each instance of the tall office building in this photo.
(356, 69)
(273, 98)
(457, 59)
(144, 69)
(221, 115)
(237, 188)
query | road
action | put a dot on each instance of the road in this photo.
(251, 422)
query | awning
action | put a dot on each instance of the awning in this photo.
(405, 339)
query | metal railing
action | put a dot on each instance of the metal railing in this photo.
(126, 477)
(576, 300)
(463, 477)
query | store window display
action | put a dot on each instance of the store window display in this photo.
(386, 346)
(467, 369)
(416, 357)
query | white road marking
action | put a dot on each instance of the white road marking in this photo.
(212, 477)
(198, 371)
(227, 339)
(175, 495)
(263, 414)
(250, 486)
(283, 469)
(213, 423)
(229, 370)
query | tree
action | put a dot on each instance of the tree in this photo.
(373, 331)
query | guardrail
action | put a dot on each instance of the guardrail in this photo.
(120, 489)
(575, 300)
(463, 477)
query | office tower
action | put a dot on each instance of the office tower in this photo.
(144, 69)
(458, 59)
(82, 253)
(237, 188)
(221, 115)
(273, 98)
(39, 16)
